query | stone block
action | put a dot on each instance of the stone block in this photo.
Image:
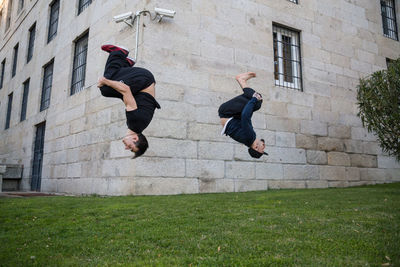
(299, 112)
(300, 172)
(216, 185)
(49, 185)
(250, 185)
(269, 171)
(358, 133)
(371, 148)
(173, 110)
(338, 184)
(166, 186)
(284, 184)
(117, 150)
(215, 150)
(332, 173)
(339, 131)
(282, 124)
(386, 162)
(160, 167)
(207, 115)
(362, 160)
(120, 186)
(353, 146)
(314, 128)
(373, 174)
(330, 144)
(240, 170)
(338, 159)
(317, 184)
(276, 108)
(352, 174)
(306, 141)
(206, 132)
(284, 139)
(286, 155)
(74, 170)
(164, 147)
(167, 91)
(166, 128)
(316, 157)
(211, 169)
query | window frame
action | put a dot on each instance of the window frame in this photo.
(31, 42)
(389, 18)
(3, 67)
(295, 58)
(24, 103)
(75, 69)
(53, 20)
(15, 60)
(46, 88)
(83, 4)
(9, 109)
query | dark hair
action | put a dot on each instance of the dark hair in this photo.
(141, 144)
(254, 153)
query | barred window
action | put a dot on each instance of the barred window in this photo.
(79, 66)
(294, 1)
(3, 66)
(287, 58)
(24, 100)
(83, 4)
(389, 19)
(20, 5)
(53, 23)
(8, 18)
(32, 32)
(46, 88)
(8, 118)
(15, 60)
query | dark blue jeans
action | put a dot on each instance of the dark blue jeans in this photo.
(234, 107)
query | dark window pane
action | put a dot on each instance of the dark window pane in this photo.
(31, 43)
(53, 23)
(3, 66)
(24, 100)
(83, 4)
(79, 66)
(389, 22)
(15, 60)
(9, 107)
(46, 88)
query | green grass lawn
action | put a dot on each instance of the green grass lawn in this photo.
(318, 227)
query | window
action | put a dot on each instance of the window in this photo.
(24, 100)
(10, 98)
(287, 58)
(31, 43)
(3, 66)
(20, 5)
(388, 62)
(83, 4)
(15, 60)
(8, 19)
(389, 19)
(79, 67)
(53, 23)
(294, 1)
(46, 88)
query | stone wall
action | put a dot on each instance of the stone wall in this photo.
(314, 138)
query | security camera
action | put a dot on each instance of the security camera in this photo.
(164, 12)
(123, 17)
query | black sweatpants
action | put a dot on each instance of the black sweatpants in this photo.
(233, 108)
(118, 69)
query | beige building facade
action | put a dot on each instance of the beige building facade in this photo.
(308, 57)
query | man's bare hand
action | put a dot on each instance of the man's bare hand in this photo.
(258, 96)
(101, 82)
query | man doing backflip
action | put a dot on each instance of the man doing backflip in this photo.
(235, 116)
(136, 88)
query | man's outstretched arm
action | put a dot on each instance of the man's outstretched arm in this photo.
(122, 88)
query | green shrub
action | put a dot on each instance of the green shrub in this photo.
(379, 104)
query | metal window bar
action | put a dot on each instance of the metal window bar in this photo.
(287, 58)
(32, 33)
(46, 89)
(53, 23)
(9, 107)
(83, 4)
(15, 60)
(294, 1)
(389, 22)
(79, 66)
(38, 157)
(3, 66)
(24, 100)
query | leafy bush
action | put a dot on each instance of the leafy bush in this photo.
(379, 103)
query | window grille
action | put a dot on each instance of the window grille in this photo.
(294, 1)
(32, 32)
(24, 100)
(15, 60)
(46, 88)
(10, 98)
(287, 58)
(389, 19)
(3, 66)
(79, 66)
(53, 23)
(83, 4)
